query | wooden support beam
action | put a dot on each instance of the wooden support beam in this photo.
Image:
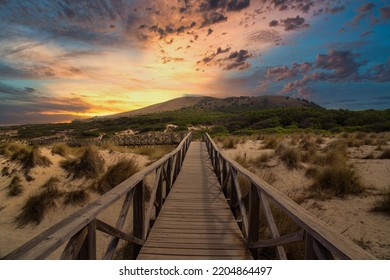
(254, 219)
(138, 215)
(282, 240)
(272, 225)
(104, 227)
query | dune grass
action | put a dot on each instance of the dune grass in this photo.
(61, 149)
(90, 165)
(383, 205)
(36, 207)
(15, 188)
(385, 154)
(34, 159)
(14, 150)
(115, 175)
(338, 179)
(76, 197)
(229, 142)
(51, 183)
(153, 152)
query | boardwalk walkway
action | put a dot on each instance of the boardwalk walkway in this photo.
(195, 221)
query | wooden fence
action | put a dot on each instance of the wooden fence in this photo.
(320, 241)
(79, 229)
(124, 140)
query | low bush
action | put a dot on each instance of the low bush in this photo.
(76, 197)
(15, 188)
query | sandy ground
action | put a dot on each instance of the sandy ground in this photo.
(351, 215)
(12, 237)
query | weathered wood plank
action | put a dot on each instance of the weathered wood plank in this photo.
(104, 227)
(195, 219)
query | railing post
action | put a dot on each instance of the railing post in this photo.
(168, 179)
(88, 249)
(233, 193)
(254, 218)
(309, 247)
(224, 177)
(138, 215)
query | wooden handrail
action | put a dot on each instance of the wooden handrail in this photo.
(321, 241)
(80, 227)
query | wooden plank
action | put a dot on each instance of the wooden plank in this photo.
(254, 216)
(102, 226)
(240, 253)
(272, 225)
(285, 239)
(180, 257)
(195, 218)
(138, 215)
(119, 225)
(74, 245)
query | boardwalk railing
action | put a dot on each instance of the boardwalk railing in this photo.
(320, 241)
(79, 229)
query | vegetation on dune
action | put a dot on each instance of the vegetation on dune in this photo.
(383, 205)
(36, 207)
(76, 197)
(385, 154)
(15, 188)
(338, 179)
(34, 159)
(89, 165)
(51, 183)
(15, 150)
(153, 152)
(115, 175)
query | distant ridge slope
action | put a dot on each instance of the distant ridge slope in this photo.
(213, 103)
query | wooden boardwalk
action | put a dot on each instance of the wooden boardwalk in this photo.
(195, 221)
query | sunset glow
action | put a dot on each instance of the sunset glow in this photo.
(63, 60)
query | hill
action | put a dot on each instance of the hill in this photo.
(219, 104)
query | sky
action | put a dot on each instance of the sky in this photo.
(62, 60)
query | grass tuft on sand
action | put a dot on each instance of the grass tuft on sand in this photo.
(383, 205)
(34, 159)
(89, 165)
(76, 197)
(115, 175)
(36, 207)
(15, 188)
(338, 179)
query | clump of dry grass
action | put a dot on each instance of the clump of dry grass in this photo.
(89, 165)
(34, 159)
(14, 150)
(291, 157)
(51, 183)
(153, 152)
(15, 188)
(36, 207)
(5, 171)
(229, 142)
(242, 160)
(116, 174)
(271, 143)
(76, 197)
(385, 154)
(383, 205)
(60, 149)
(262, 159)
(338, 179)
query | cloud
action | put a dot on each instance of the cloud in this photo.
(362, 12)
(294, 23)
(379, 73)
(237, 60)
(265, 36)
(385, 12)
(212, 18)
